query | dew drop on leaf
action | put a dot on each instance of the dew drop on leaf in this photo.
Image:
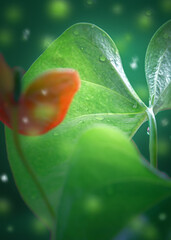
(100, 118)
(76, 33)
(102, 58)
(135, 105)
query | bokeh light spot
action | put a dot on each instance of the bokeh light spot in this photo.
(166, 5)
(134, 63)
(6, 37)
(59, 9)
(10, 228)
(5, 206)
(89, 3)
(4, 178)
(163, 147)
(46, 41)
(162, 216)
(145, 20)
(92, 205)
(13, 14)
(117, 9)
(38, 226)
(124, 41)
(164, 122)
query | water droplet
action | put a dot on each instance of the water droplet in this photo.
(100, 118)
(102, 58)
(4, 178)
(82, 48)
(162, 216)
(148, 131)
(135, 105)
(76, 33)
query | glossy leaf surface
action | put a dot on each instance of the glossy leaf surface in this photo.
(158, 68)
(105, 96)
(106, 186)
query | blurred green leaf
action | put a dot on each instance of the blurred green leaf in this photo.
(158, 68)
(106, 186)
(105, 96)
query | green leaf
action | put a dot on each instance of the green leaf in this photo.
(105, 91)
(106, 186)
(158, 68)
(105, 96)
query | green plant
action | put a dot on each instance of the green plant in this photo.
(89, 170)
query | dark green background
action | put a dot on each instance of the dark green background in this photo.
(131, 25)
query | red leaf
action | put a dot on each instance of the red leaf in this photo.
(6, 89)
(46, 101)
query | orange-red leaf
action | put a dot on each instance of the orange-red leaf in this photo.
(46, 101)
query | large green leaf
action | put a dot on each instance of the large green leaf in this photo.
(158, 68)
(106, 186)
(105, 90)
(105, 96)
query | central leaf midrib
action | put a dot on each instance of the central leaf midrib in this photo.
(101, 114)
(109, 89)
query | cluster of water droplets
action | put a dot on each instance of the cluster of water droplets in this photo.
(26, 34)
(134, 63)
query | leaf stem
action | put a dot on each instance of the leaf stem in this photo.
(27, 166)
(153, 137)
